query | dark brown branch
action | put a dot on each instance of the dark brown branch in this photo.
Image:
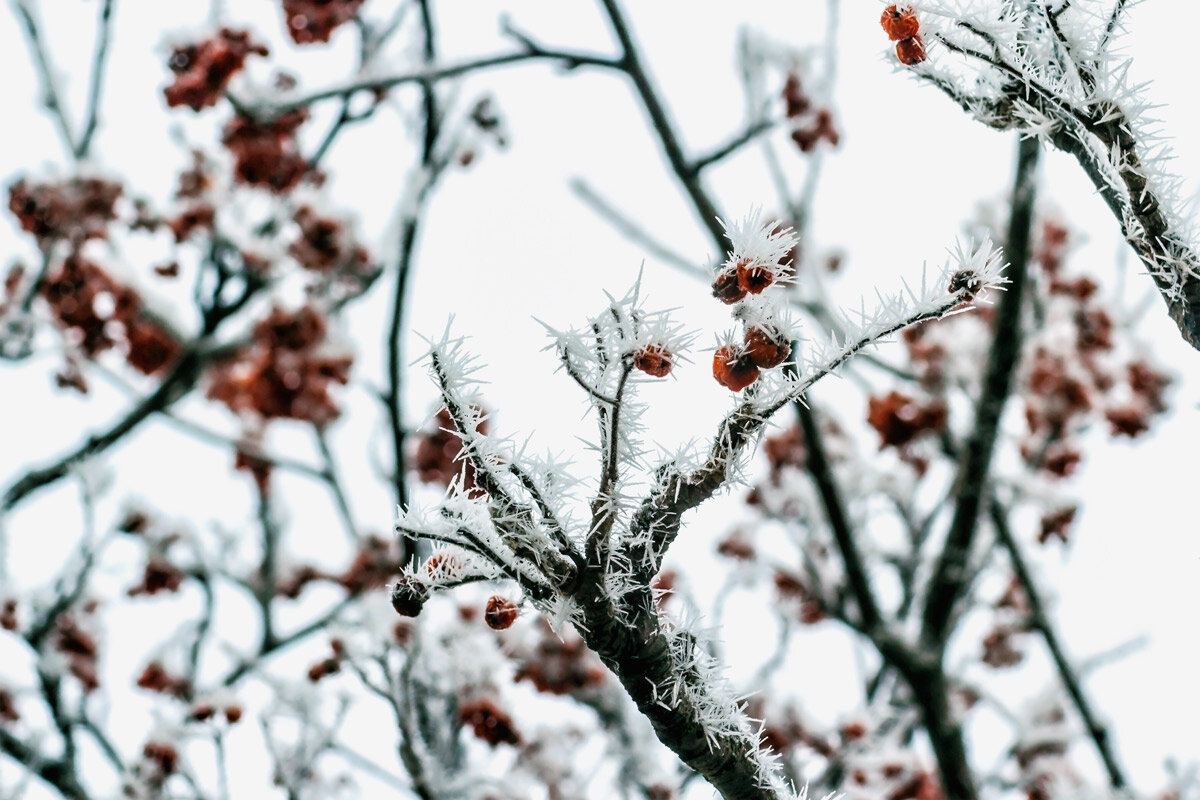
(264, 590)
(822, 475)
(667, 135)
(739, 141)
(423, 77)
(1040, 621)
(950, 574)
(54, 772)
(408, 239)
(96, 84)
(45, 73)
(638, 653)
(596, 549)
(178, 382)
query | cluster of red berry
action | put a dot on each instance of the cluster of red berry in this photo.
(736, 366)
(902, 27)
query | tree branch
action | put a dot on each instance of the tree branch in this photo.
(1040, 621)
(950, 573)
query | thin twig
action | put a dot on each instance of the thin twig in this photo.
(49, 85)
(1039, 619)
(96, 85)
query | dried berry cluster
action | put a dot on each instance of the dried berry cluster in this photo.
(736, 366)
(1075, 369)
(374, 566)
(203, 69)
(98, 312)
(331, 664)
(903, 28)
(157, 678)
(488, 721)
(73, 210)
(285, 373)
(310, 21)
(325, 246)
(159, 575)
(1002, 645)
(560, 666)
(79, 647)
(900, 419)
(265, 152)
(810, 125)
(760, 259)
(794, 592)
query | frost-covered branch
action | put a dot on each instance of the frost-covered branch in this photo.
(1052, 74)
(508, 522)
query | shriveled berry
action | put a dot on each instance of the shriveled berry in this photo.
(752, 279)
(966, 283)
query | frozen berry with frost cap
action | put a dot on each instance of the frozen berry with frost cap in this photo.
(760, 255)
(754, 278)
(733, 369)
(965, 283)
(899, 23)
(409, 595)
(655, 360)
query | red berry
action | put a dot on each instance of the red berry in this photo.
(500, 613)
(654, 359)
(409, 596)
(753, 279)
(899, 24)
(726, 287)
(910, 51)
(733, 369)
(765, 350)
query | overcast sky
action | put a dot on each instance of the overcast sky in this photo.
(506, 241)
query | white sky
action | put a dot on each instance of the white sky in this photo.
(505, 242)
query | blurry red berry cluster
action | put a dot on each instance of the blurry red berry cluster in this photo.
(285, 372)
(203, 69)
(98, 312)
(73, 210)
(265, 152)
(311, 21)
(810, 125)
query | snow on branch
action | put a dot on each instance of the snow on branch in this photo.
(967, 276)
(1051, 72)
(512, 523)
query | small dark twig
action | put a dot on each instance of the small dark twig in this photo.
(1040, 620)
(730, 147)
(96, 85)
